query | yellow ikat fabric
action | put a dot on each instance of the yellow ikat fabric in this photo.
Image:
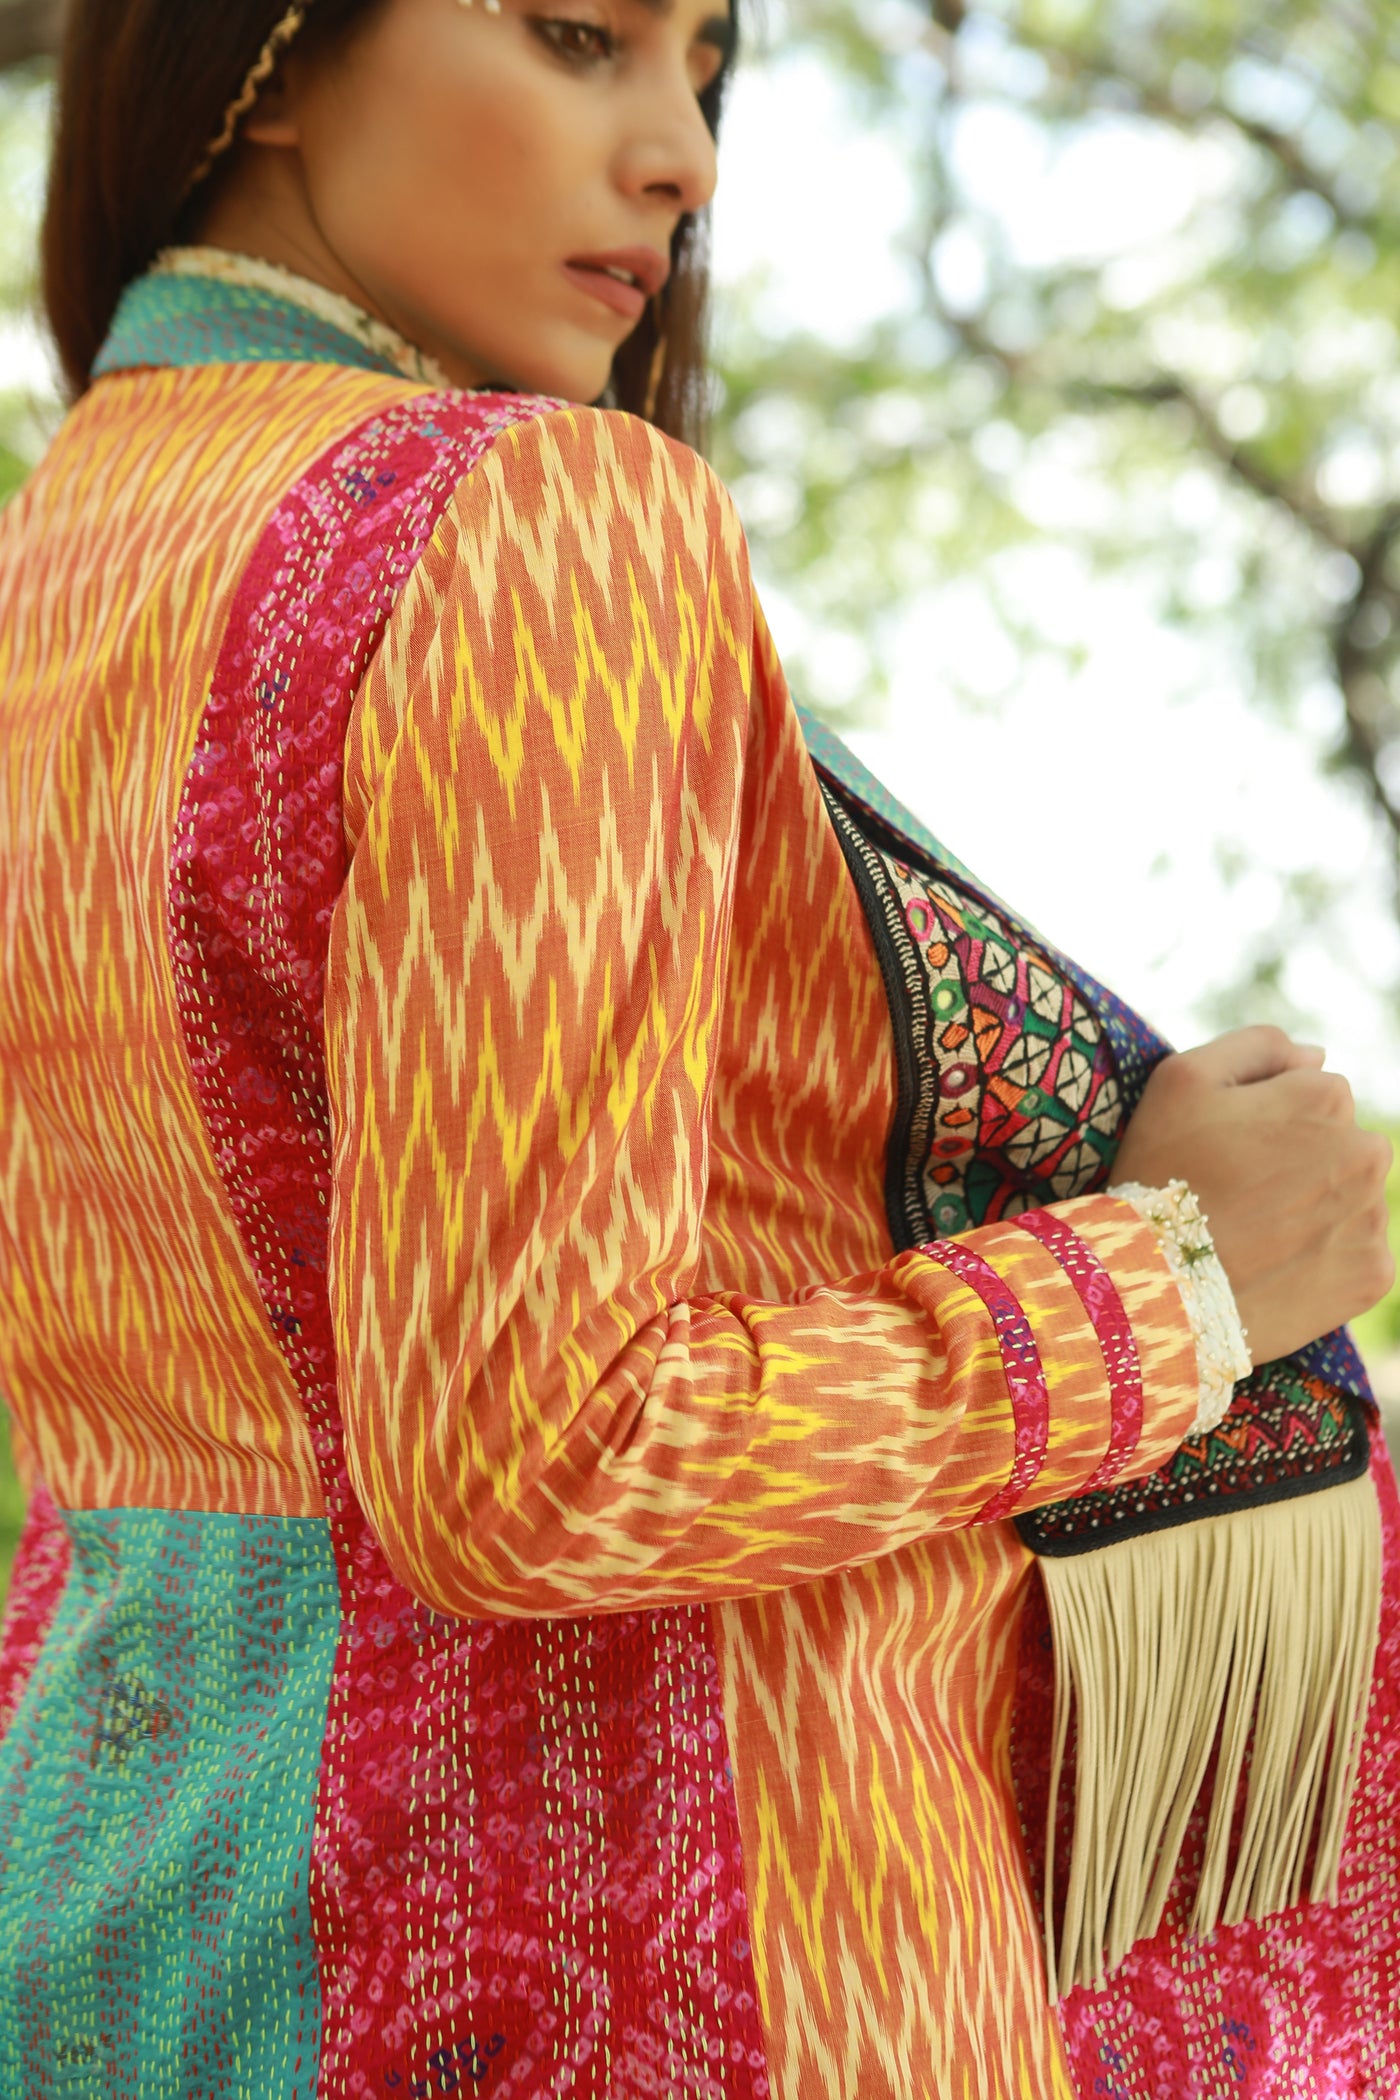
(134, 1352)
(620, 1319)
(525, 1024)
(620, 1322)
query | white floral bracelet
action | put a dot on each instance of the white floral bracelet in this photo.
(1222, 1346)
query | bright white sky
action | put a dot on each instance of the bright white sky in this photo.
(1098, 802)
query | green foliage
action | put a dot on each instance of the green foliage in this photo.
(11, 1505)
(1210, 399)
(13, 467)
(1378, 1332)
(27, 410)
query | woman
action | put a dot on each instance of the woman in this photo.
(551, 1235)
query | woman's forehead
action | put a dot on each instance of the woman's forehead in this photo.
(712, 21)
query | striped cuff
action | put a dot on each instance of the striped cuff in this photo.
(1021, 1366)
(1105, 1311)
(1222, 1346)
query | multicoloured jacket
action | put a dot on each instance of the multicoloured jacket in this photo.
(521, 1596)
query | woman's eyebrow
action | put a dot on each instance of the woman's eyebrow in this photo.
(718, 30)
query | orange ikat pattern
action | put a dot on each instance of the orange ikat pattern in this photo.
(134, 1353)
(895, 1945)
(525, 1014)
(620, 1318)
(869, 1714)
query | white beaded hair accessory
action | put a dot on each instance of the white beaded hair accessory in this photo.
(259, 73)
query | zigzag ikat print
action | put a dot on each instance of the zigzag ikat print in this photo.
(526, 1868)
(540, 894)
(137, 1358)
(442, 778)
(544, 1274)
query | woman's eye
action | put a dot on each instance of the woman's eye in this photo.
(708, 70)
(583, 42)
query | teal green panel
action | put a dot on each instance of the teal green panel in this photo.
(172, 320)
(827, 749)
(157, 1797)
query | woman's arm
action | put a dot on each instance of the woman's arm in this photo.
(544, 790)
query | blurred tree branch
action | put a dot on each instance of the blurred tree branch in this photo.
(1363, 651)
(29, 29)
(1254, 347)
(1082, 75)
(1363, 640)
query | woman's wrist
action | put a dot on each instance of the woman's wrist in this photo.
(1222, 1346)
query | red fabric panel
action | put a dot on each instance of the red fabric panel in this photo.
(526, 1858)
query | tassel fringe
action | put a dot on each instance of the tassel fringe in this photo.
(1266, 1619)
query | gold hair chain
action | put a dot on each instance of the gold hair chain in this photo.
(261, 71)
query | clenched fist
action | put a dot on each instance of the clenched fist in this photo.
(1293, 1190)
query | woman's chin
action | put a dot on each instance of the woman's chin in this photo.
(557, 359)
(566, 383)
(569, 371)
(581, 389)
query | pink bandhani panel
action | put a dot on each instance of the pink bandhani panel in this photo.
(526, 1874)
(1306, 2004)
(36, 1585)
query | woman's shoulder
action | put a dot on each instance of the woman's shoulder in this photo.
(606, 481)
(584, 438)
(580, 562)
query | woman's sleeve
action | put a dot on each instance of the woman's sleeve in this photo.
(543, 799)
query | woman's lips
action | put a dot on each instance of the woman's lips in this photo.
(627, 299)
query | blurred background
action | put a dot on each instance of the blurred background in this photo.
(1058, 382)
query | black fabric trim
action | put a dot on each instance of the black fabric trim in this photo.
(916, 1078)
(1081, 1523)
(1040, 1532)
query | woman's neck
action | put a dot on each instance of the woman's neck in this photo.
(261, 208)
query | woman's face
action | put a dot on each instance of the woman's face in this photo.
(501, 186)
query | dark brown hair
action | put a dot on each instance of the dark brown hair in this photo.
(143, 86)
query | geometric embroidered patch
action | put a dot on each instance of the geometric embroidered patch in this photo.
(1287, 1433)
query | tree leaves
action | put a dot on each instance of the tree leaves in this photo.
(1244, 338)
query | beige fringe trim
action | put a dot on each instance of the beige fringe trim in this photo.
(1266, 1618)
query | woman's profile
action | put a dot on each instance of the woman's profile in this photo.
(667, 1456)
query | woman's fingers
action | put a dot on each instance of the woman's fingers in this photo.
(1292, 1186)
(1307, 1095)
(1247, 1055)
(1382, 1155)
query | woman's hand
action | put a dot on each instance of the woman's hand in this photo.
(1293, 1191)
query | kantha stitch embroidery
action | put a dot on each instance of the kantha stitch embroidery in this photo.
(527, 1820)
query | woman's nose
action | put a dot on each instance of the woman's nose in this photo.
(671, 156)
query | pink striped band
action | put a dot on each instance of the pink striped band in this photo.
(1098, 1294)
(1025, 1375)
